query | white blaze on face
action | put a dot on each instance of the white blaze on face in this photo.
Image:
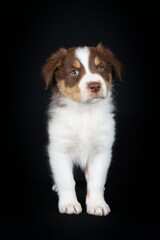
(83, 54)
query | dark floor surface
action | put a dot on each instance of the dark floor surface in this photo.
(32, 214)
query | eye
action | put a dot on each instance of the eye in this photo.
(100, 68)
(74, 72)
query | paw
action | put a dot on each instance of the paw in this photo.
(72, 207)
(98, 208)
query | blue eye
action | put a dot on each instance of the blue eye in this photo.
(100, 68)
(74, 72)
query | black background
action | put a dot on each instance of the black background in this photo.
(30, 33)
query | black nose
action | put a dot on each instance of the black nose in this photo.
(94, 87)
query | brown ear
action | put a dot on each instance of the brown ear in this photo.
(52, 64)
(116, 65)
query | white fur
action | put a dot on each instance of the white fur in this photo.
(82, 134)
(82, 53)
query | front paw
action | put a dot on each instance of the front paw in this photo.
(98, 208)
(70, 207)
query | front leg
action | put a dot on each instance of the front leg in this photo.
(62, 168)
(96, 176)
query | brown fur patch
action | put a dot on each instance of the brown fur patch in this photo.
(114, 64)
(70, 92)
(97, 61)
(52, 63)
(109, 81)
(65, 71)
(76, 64)
(103, 56)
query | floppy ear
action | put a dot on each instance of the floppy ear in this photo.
(52, 64)
(116, 65)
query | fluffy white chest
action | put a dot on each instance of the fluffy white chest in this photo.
(81, 130)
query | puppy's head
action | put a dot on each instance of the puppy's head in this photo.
(83, 74)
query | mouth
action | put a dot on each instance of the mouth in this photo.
(95, 99)
(96, 96)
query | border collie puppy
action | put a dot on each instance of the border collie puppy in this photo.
(81, 123)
